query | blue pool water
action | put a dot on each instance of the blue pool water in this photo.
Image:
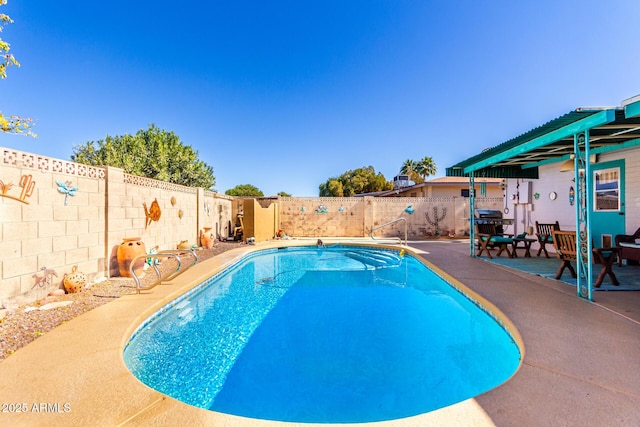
(333, 335)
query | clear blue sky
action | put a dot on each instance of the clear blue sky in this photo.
(286, 94)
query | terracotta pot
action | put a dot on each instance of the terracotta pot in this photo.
(75, 281)
(206, 238)
(127, 251)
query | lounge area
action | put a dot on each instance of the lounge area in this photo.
(625, 255)
(628, 276)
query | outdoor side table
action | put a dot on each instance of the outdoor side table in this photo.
(606, 257)
(526, 245)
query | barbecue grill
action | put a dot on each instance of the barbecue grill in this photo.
(492, 216)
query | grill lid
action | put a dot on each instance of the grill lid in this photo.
(488, 213)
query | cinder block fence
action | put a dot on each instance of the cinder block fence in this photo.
(56, 214)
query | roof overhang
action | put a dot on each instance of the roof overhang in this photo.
(610, 129)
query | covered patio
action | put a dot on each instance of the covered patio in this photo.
(628, 276)
(574, 141)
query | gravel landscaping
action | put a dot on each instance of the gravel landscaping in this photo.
(21, 325)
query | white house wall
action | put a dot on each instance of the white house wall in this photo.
(547, 210)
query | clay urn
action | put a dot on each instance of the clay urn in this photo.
(130, 248)
(206, 238)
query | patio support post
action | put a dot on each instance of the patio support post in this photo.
(582, 171)
(472, 217)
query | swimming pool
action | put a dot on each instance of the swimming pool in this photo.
(334, 335)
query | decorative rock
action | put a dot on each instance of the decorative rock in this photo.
(53, 305)
(56, 292)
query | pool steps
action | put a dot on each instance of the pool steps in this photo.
(375, 259)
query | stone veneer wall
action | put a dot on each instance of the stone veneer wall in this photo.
(42, 237)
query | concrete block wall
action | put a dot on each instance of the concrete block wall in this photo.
(42, 237)
(356, 216)
(45, 232)
(322, 216)
(128, 195)
(215, 212)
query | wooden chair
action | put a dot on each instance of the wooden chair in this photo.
(544, 233)
(567, 250)
(489, 238)
(565, 244)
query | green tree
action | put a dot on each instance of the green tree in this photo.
(153, 153)
(284, 194)
(332, 188)
(244, 190)
(357, 181)
(10, 124)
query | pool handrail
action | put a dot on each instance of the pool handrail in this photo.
(163, 254)
(389, 223)
(182, 252)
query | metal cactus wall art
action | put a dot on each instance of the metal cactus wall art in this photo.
(436, 219)
(26, 182)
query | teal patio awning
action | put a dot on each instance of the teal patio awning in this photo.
(610, 129)
(576, 135)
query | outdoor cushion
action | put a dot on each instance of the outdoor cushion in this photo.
(629, 245)
(499, 239)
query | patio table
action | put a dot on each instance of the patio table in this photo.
(526, 245)
(606, 257)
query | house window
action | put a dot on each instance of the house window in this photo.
(414, 194)
(465, 192)
(607, 190)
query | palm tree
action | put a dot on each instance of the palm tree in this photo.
(408, 167)
(425, 167)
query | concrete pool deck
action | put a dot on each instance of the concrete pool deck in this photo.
(581, 366)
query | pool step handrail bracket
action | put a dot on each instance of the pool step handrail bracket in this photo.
(389, 223)
(152, 258)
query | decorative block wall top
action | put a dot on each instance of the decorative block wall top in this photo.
(154, 183)
(209, 193)
(47, 164)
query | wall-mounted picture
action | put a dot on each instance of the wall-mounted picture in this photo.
(607, 189)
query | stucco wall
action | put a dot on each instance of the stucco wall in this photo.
(259, 222)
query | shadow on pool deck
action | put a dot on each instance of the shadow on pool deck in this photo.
(582, 359)
(581, 365)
